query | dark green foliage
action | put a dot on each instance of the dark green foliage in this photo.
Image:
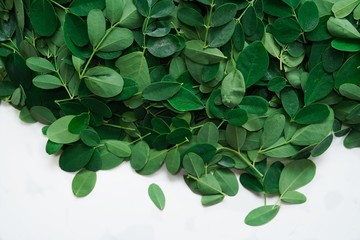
(205, 87)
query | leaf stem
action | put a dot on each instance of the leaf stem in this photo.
(60, 6)
(118, 126)
(208, 24)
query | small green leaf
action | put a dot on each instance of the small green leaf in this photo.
(184, 100)
(96, 24)
(140, 155)
(251, 183)
(83, 7)
(209, 200)
(271, 178)
(43, 17)
(314, 113)
(173, 161)
(83, 183)
(114, 10)
(293, 197)
(58, 131)
(341, 27)
(79, 123)
(350, 91)
(164, 46)
(190, 17)
(40, 65)
(47, 82)
(296, 174)
(119, 148)
(262, 215)
(273, 129)
(118, 39)
(195, 52)
(42, 114)
(232, 89)
(223, 14)
(228, 181)
(194, 165)
(308, 16)
(157, 196)
(103, 81)
(160, 91)
(90, 137)
(208, 185)
(162, 8)
(343, 8)
(75, 157)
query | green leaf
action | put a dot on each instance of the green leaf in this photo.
(293, 197)
(349, 71)
(52, 148)
(253, 62)
(134, 66)
(219, 36)
(190, 17)
(179, 135)
(164, 46)
(143, 7)
(83, 183)
(208, 185)
(173, 161)
(58, 131)
(232, 89)
(290, 101)
(272, 177)
(343, 8)
(109, 160)
(185, 100)
(96, 25)
(119, 148)
(296, 174)
(223, 14)
(314, 133)
(314, 113)
(42, 114)
(308, 16)
(322, 147)
(346, 45)
(281, 149)
(79, 123)
(157, 196)
(162, 8)
(236, 117)
(209, 200)
(262, 215)
(103, 81)
(350, 91)
(118, 39)
(208, 133)
(75, 157)
(154, 163)
(356, 13)
(352, 139)
(235, 136)
(292, 3)
(193, 165)
(83, 7)
(251, 183)
(273, 129)
(39, 11)
(47, 82)
(341, 27)
(160, 91)
(140, 155)
(90, 137)
(40, 65)
(114, 10)
(228, 181)
(195, 52)
(254, 105)
(285, 30)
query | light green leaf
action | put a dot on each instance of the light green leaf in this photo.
(47, 82)
(195, 52)
(273, 129)
(233, 89)
(40, 65)
(208, 133)
(228, 181)
(83, 183)
(296, 175)
(114, 10)
(103, 81)
(58, 131)
(343, 8)
(160, 91)
(194, 165)
(293, 197)
(134, 66)
(119, 148)
(140, 155)
(341, 27)
(96, 25)
(208, 185)
(118, 39)
(157, 196)
(261, 215)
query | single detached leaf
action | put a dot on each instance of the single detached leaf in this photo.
(261, 215)
(293, 197)
(157, 196)
(103, 81)
(83, 183)
(296, 174)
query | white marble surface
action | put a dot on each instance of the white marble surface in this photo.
(36, 202)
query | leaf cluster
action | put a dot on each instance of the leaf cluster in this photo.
(208, 88)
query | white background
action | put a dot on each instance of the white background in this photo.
(36, 201)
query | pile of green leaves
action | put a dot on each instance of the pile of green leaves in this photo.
(212, 89)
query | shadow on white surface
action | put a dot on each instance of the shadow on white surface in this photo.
(36, 202)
